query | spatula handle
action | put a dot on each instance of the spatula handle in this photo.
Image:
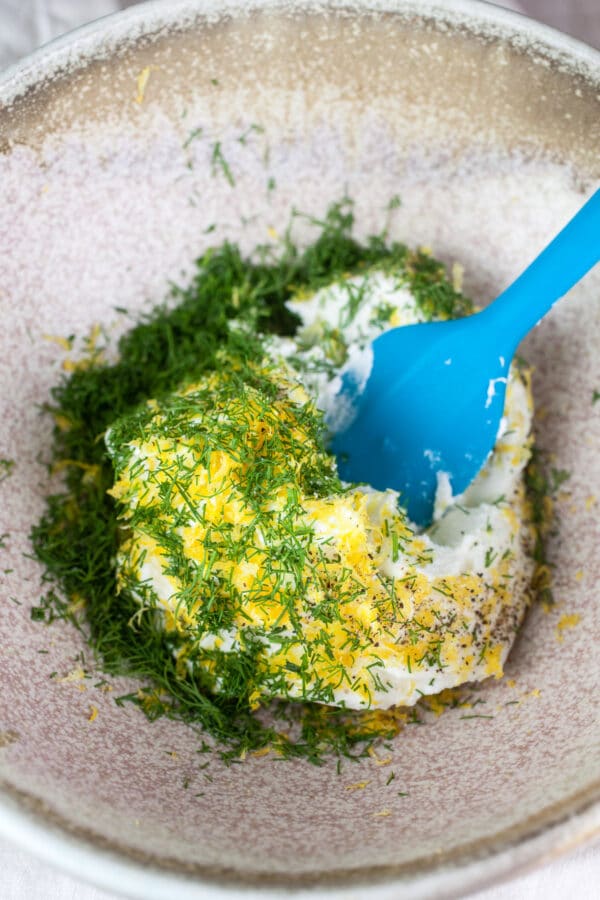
(572, 253)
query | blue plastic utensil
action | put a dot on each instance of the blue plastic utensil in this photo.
(435, 396)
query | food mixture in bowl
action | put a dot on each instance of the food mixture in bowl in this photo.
(233, 552)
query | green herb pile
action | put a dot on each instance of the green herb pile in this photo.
(77, 538)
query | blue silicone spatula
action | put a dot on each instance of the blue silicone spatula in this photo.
(435, 396)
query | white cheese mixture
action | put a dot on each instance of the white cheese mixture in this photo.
(328, 597)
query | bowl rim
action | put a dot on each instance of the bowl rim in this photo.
(90, 40)
(567, 825)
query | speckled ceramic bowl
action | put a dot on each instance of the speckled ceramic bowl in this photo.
(487, 127)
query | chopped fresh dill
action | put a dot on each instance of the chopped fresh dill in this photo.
(542, 483)
(219, 163)
(6, 467)
(192, 136)
(490, 555)
(558, 476)
(252, 129)
(230, 300)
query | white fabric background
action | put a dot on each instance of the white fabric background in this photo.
(26, 24)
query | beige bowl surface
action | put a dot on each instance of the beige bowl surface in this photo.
(487, 127)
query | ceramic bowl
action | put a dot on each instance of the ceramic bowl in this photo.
(486, 126)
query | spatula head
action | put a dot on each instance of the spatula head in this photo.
(433, 403)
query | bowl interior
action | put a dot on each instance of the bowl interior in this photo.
(111, 185)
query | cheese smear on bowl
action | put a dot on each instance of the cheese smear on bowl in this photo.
(270, 577)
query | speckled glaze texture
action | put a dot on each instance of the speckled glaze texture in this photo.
(488, 129)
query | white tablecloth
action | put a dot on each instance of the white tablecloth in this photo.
(25, 24)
